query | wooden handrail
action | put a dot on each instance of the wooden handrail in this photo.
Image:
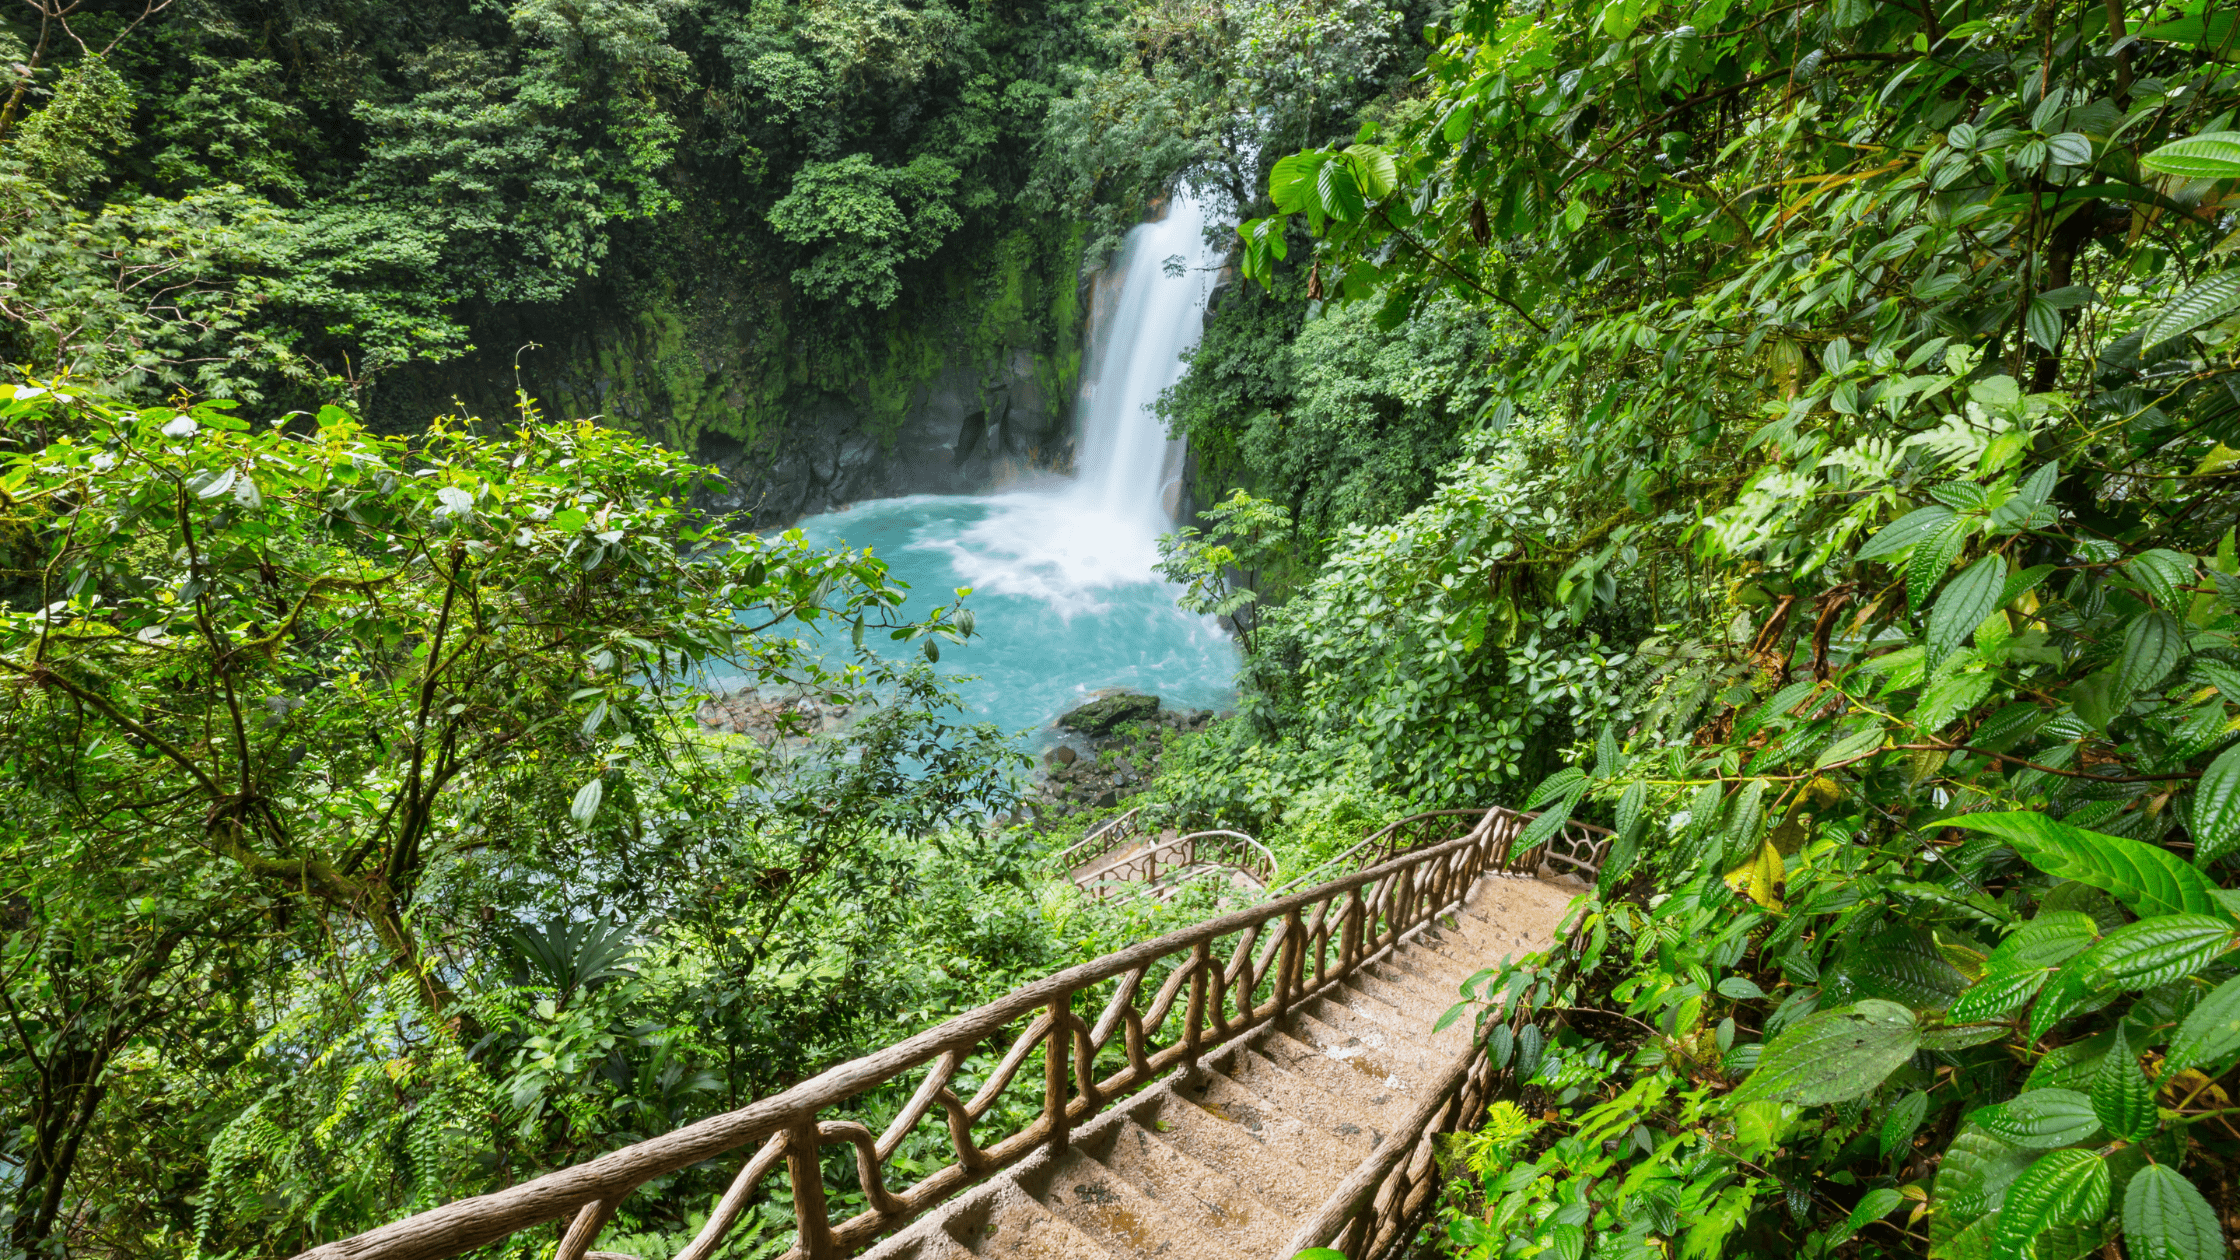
(1285, 948)
(1107, 837)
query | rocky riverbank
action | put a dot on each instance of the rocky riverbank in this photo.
(748, 712)
(1107, 748)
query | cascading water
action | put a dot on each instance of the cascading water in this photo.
(1064, 591)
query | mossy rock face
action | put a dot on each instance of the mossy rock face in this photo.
(964, 385)
(1102, 715)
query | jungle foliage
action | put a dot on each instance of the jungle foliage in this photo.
(1852, 507)
(362, 850)
(252, 202)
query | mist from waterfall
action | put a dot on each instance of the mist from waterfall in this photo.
(1065, 590)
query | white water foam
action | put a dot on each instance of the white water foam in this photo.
(1063, 575)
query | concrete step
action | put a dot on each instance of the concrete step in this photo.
(1311, 1143)
(1015, 1227)
(1365, 1089)
(1211, 1202)
(1268, 1173)
(1340, 1034)
(1128, 1223)
(1356, 1128)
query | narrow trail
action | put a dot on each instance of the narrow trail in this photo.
(1231, 1159)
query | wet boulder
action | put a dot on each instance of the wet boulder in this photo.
(1105, 713)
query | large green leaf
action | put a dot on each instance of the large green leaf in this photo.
(2156, 951)
(2210, 155)
(2064, 1187)
(1997, 995)
(1373, 166)
(2209, 1033)
(2146, 879)
(1933, 557)
(2164, 574)
(2066, 992)
(2216, 808)
(2041, 1118)
(2151, 646)
(1963, 605)
(1904, 532)
(1972, 1179)
(1630, 804)
(1901, 964)
(2204, 303)
(1338, 191)
(1904, 1117)
(1834, 1055)
(2121, 1096)
(2165, 1218)
(1291, 181)
(2051, 939)
(1948, 698)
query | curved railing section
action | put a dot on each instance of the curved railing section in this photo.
(1103, 840)
(1082, 1039)
(1394, 838)
(1208, 852)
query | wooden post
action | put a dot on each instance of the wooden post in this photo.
(807, 1171)
(1054, 1070)
(584, 1228)
(1194, 1016)
(1287, 963)
(1349, 940)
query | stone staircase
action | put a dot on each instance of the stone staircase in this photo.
(1233, 1157)
(1255, 1084)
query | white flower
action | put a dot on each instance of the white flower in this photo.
(181, 428)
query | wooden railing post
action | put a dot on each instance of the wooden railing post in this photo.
(1194, 1015)
(1054, 1070)
(1287, 964)
(807, 1171)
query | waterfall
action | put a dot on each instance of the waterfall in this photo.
(1063, 574)
(1126, 457)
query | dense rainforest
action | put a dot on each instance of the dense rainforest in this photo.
(1798, 435)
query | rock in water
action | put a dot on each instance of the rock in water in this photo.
(1100, 716)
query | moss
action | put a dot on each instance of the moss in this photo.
(684, 351)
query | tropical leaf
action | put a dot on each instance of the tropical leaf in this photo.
(2216, 808)
(2163, 573)
(1904, 532)
(2209, 1033)
(2156, 951)
(2165, 1218)
(1932, 557)
(1963, 604)
(2049, 940)
(2121, 1096)
(2151, 646)
(1834, 1055)
(2041, 1118)
(1904, 1117)
(2148, 880)
(2210, 155)
(1997, 995)
(2064, 1187)
(2205, 303)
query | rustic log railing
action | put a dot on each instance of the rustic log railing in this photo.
(1088, 1030)
(1096, 844)
(1392, 840)
(1213, 851)
(1373, 1209)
